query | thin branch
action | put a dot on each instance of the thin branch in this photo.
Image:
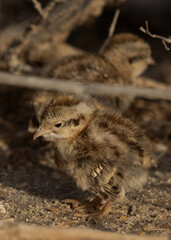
(50, 7)
(164, 39)
(165, 45)
(44, 13)
(83, 90)
(113, 24)
(39, 8)
(111, 30)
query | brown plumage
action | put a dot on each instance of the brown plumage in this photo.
(104, 152)
(124, 58)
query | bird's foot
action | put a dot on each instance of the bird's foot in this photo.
(104, 211)
(96, 202)
(76, 204)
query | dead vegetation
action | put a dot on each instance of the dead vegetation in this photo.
(164, 39)
(31, 187)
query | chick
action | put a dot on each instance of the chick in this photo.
(103, 152)
(124, 58)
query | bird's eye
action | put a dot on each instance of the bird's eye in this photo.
(135, 59)
(58, 125)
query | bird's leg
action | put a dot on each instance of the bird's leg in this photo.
(97, 201)
(104, 211)
(84, 205)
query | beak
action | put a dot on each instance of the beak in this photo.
(151, 61)
(40, 132)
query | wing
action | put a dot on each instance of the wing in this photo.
(99, 175)
(105, 181)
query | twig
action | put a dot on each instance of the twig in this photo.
(156, 229)
(111, 30)
(39, 8)
(164, 39)
(83, 90)
(50, 7)
(113, 24)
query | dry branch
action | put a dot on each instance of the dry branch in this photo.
(44, 13)
(111, 30)
(50, 7)
(38, 7)
(84, 90)
(164, 39)
(11, 231)
(59, 18)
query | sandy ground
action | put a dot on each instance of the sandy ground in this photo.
(31, 192)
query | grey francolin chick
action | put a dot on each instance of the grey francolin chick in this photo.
(124, 58)
(103, 152)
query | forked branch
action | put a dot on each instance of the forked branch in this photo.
(165, 40)
(38, 7)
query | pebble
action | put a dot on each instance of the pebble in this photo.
(2, 209)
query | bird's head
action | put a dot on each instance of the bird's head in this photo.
(64, 117)
(129, 51)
